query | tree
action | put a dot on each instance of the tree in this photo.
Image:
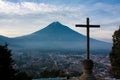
(22, 76)
(115, 55)
(6, 64)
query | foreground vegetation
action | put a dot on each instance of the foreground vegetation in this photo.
(115, 55)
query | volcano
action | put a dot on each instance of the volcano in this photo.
(57, 36)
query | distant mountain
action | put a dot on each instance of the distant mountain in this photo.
(56, 37)
(4, 39)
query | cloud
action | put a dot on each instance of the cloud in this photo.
(26, 17)
(113, 9)
(24, 8)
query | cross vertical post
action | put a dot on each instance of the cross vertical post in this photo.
(88, 39)
(88, 26)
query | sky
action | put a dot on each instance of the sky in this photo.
(23, 17)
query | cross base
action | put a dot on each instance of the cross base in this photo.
(87, 71)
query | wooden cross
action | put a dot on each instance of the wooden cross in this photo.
(88, 26)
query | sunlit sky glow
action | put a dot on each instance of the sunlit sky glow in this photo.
(22, 17)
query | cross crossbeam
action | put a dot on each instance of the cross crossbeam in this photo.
(88, 26)
(91, 26)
